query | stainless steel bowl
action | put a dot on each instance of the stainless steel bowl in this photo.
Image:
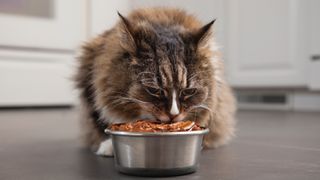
(156, 154)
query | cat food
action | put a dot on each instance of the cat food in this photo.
(152, 126)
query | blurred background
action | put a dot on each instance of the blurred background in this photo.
(271, 48)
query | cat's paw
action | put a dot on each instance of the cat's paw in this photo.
(105, 148)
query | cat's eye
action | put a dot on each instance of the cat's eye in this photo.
(188, 92)
(154, 91)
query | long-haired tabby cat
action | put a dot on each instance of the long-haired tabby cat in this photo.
(158, 64)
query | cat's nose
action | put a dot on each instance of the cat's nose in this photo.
(174, 110)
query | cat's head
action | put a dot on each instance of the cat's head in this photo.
(169, 67)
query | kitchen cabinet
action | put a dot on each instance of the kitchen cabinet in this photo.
(34, 79)
(38, 41)
(266, 44)
(312, 15)
(50, 24)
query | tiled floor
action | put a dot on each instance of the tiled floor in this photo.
(44, 144)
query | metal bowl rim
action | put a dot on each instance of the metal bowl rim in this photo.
(181, 133)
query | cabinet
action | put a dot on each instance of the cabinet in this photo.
(34, 79)
(50, 24)
(312, 15)
(265, 43)
(38, 40)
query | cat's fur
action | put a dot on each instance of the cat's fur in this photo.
(156, 63)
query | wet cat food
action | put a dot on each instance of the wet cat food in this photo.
(152, 126)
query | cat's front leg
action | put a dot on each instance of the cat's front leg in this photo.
(105, 148)
(221, 123)
(216, 135)
(221, 130)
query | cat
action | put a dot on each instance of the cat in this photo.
(157, 64)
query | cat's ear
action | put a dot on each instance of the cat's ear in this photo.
(201, 36)
(128, 42)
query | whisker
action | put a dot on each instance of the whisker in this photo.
(122, 100)
(115, 102)
(135, 100)
(201, 106)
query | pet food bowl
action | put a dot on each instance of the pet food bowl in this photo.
(156, 153)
